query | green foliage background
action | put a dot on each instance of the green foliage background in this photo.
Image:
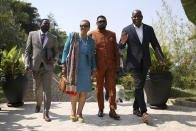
(156, 66)
(11, 64)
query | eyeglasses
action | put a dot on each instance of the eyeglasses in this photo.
(84, 26)
(101, 21)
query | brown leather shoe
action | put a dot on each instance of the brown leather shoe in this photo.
(145, 116)
(100, 113)
(46, 118)
(113, 115)
(37, 109)
(137, 112)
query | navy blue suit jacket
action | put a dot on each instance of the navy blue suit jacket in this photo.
(137, 51)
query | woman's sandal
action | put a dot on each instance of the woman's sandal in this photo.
(80, 119)
(73, 118)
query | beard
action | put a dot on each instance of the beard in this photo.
(44, 29)
(101, 27)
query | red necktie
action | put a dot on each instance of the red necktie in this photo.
(42, 38)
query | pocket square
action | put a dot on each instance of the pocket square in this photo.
(111, 39)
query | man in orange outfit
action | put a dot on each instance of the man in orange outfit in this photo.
(107, 64)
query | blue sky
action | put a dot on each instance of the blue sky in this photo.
(69, 13)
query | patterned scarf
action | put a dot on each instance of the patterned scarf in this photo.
(72, 65)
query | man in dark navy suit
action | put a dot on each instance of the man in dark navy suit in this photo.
(138, 36)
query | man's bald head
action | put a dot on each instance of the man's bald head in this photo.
(136, 11)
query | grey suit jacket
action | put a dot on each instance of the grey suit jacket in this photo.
(35, 54)
(138, 51)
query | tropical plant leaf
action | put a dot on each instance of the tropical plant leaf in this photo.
(4, 54)
(12, 63)
(190, 9)
(156, 67)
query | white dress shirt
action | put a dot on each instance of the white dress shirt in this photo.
(139, 32)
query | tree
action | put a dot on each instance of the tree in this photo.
(16, 20)
(25, 15)
(10, 34)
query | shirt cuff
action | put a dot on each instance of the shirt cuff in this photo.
(26, 65)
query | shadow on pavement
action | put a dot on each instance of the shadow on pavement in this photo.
(55, 116)
(158, 119)
(127, 120)
(13, 116)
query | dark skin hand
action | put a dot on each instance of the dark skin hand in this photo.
(161, 62)
(124, 38)
(93, 73)
(64, 72)
(27, 68)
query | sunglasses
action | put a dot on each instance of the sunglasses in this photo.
(84, 26)
(101, 21)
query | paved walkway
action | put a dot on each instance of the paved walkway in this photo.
(175, 118)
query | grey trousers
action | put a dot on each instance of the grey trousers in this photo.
(42, 87)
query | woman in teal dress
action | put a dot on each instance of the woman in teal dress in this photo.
(84, 59)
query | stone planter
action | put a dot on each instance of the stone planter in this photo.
(157, 88)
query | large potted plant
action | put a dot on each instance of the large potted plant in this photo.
(159, 80)
(12, 76)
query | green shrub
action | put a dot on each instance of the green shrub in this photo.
(184, 76)
(129, 94)
(2, 95)
(12, 64)
(156, 67)
(127, 80)
(58, 69)
(128, 83)
(178, 93)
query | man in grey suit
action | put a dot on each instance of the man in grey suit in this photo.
(40, 54)
(138, 36)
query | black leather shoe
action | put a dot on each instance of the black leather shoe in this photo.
(100, 113)
(113, 115)
(37, 109)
